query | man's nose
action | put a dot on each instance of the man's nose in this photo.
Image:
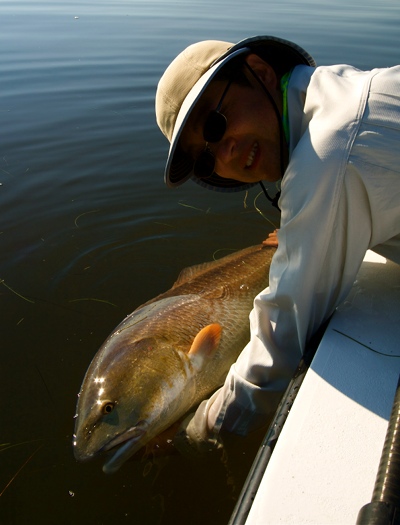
(224, 150)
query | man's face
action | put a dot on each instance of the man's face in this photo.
(249, 151)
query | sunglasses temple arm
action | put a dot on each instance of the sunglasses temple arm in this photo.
(223, 95)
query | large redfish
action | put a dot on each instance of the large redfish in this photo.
(168, 355)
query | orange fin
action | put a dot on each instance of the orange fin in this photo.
(206, 341)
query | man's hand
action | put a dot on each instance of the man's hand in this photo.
(272, 239)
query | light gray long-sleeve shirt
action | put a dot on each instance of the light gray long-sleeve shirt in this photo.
(340, 196)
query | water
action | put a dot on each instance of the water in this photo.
(88, 231)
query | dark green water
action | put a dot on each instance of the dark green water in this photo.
(88, 231)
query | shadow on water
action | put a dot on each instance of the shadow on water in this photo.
(50, 340)
(71, 281)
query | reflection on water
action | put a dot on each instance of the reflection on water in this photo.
(88, 231)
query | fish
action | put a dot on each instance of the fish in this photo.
(167, 356)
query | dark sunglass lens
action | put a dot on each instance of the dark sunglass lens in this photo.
(214, 127)
(204, 165)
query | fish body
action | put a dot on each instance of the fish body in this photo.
(167, 356)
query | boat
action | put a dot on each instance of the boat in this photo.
(332, 452)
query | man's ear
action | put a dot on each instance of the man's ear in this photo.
(263, 70)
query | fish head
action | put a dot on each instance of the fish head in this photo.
(127, 397)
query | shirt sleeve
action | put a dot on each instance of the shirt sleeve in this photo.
(339, 198)
(324, 234)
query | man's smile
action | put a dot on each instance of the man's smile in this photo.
(252, 155)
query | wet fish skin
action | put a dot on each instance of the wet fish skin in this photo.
(167, 356)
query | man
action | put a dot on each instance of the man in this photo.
(260, 110)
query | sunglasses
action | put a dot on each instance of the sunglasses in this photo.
(213, 131)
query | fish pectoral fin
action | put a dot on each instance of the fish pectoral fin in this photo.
(205, 343)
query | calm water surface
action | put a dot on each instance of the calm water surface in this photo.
(88, 231)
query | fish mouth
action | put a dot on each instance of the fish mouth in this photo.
(125, 445)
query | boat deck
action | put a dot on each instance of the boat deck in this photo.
(324, 465)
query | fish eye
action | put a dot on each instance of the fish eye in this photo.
(107, 408)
